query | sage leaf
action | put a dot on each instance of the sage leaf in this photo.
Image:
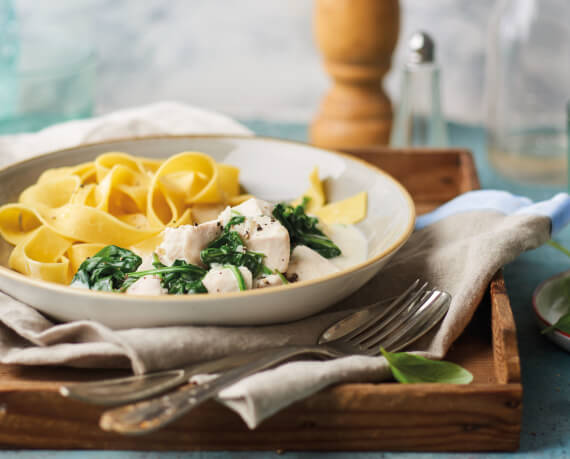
(562, 324)
(408, 368)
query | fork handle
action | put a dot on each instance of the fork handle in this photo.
(119, 391)
(150, 415)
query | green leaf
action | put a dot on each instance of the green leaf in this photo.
(303, 229)
(114, 269)
(229, 249)
(267, 271)
(409, 368)
(562, 324)
(179, 279)
(239, 278)
(559, 247)
(106, 270)
(282, 277)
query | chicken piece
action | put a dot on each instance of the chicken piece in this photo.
(187, 241)
(223, 280)
(251, 208)
(307, 264)
(147, 261)
(266, 235)
(261, 232)
(147, 285)
(271, 280)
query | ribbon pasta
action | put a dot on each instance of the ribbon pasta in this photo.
(70, 213)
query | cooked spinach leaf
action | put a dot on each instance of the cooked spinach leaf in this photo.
(115, 269)
(265, 270)
(239, 278)
(235, 220)
(408, 368)
(303, 229)
(107, 269)
(229, 249)
(178, 279)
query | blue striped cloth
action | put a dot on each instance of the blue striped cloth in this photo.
(557, 208)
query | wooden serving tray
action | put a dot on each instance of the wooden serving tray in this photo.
(482, 416)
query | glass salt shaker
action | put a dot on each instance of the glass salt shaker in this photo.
(419, 118)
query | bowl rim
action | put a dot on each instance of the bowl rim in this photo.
(16, 276)
(537, 291)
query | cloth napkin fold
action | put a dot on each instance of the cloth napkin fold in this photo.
(458, 248)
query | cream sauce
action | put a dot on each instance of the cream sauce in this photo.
(351, 242)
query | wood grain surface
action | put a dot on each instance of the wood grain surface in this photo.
(482, 416)
(357, 39)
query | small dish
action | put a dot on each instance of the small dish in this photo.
(551, 300)
(271, 169)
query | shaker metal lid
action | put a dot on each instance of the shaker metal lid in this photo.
(421, 48)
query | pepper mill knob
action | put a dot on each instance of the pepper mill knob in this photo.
(357, 39)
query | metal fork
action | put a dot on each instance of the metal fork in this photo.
(119, 391)
(392, 331)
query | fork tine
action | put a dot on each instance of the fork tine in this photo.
(418, 325)
(388, 325)
(422, 322)
(422, 326)
(354, 320)
(392, 311)
(396, 327)
(408, 322)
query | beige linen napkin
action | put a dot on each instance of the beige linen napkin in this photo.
(459, 253)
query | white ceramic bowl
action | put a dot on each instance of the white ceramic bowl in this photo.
(551, 300)
(271, 169)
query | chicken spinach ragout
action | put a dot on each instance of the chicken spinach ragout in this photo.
(253, 245)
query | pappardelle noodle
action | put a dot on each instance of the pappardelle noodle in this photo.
(72, 213)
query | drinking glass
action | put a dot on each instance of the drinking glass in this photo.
(46, 76)
(527, 86)
(568, 145)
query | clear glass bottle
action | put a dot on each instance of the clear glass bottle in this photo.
(527, 88)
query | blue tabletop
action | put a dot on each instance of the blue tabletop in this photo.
(545, 367)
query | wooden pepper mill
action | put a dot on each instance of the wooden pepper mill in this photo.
(357, 39)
